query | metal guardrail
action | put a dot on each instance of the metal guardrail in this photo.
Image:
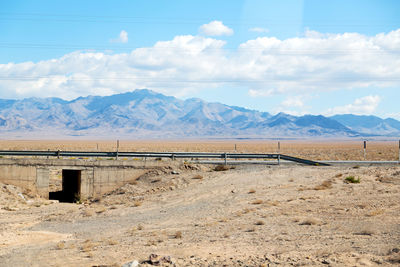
(171, 155)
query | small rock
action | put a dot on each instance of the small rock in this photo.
(134, 263)
(174, 172)
(325, 261)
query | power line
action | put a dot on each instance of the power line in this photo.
(266, 50)
(174, 80)
(41, 17)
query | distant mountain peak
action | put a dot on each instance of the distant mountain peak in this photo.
(143, 113)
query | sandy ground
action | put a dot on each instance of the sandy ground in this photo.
(248, 216)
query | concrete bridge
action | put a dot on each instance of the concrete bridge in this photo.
(80, 178)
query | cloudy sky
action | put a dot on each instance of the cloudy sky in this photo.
(298, 57)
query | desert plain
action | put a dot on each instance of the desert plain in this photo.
(188, 214)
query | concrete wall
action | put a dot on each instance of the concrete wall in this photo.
(19, 175)
(97, 177)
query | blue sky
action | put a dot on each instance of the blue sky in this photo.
(299, 57)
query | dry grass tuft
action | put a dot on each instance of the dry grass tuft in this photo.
(60, 245)
(88, 213)
(257, 202)
(220, 168)
(140, 227)
(352, 180)
(112, 242)
(310, 221)
(197, 177)
(88, 246)
(137, 203)
(101, 209)
(274, 203)
(223, 220)
(252, 191)
(324, 185)
(365, 231)
(387, 180)
(178, 235)
(375, 212)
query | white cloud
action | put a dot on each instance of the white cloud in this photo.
(361, 106)
(296, 101)
(215, 28)
(122, 38)
(264, 66)
(259, 30)
(293, 105)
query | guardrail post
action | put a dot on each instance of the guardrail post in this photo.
(117, 149)
(173, 157)
(279, 159)
(225, 159)
(365, 150)
(58, 154)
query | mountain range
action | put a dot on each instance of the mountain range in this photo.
(146, 114)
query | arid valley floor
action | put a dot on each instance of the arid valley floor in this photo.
(249, 215)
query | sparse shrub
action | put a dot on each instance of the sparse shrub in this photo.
(352, 180)
(219, 168)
